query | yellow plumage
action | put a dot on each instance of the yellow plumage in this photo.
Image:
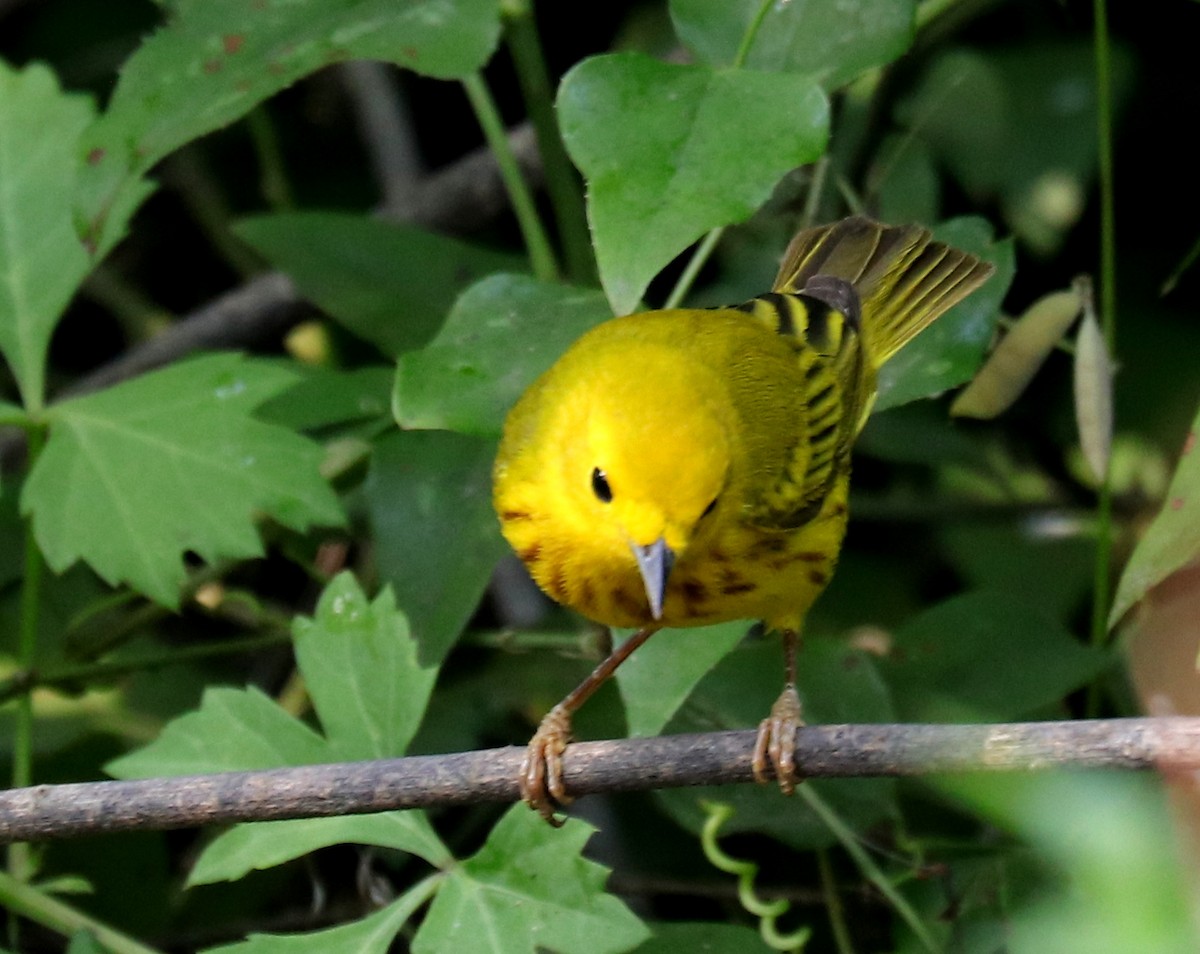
(684, 407)
(688, 466)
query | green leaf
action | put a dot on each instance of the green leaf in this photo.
(501, 334)
(41, 260)
(1170, 542)
(370, 935)
(328, 396)
(215, 60)
(984, 655)
(1018, 125)
(837, 684)
(528, 888)
(437, 537)
(390, 284)
(702, 937)
(245, 848)
(234, 730)
(657, 679)
(831, 42)
(947, 352)
(172, 461)
(12, 413)
(672, 151)
(84, 942)
(1053, 573)
(1112, 880)
(360, 667)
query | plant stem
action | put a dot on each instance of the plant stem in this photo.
(1108, 314)
(541, 256)
(706, 247)
(833, 904)
(866, 864)
(272, 173)
(562, 183)
(743, 51)
(24, 683)
(19, 861)
(816, 186)
(26, 900)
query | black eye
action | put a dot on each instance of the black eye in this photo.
(600, 486)
(709, 509)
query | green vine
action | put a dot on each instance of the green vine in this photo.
(768, 912)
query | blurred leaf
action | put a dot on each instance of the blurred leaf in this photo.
(1017, 358)
(906, 180)
(390, 284)
(984, 655)
(1160, 641)
(701, 937)
(215, 60)
(948, 351)
(672, 151)
(12, 413)
(920, 433)
(329, 396)
(830, 42)
(657, 679)
(837, 684)
(244, 848)
(1018, 124)
(360, 668)
(84, 942)
(234, 730)
(430, 499)
(172, 461)
(502, 333)
(41, 260)
(1170, 541)
(1120, 886)
(1093, 395)
(1052, 572)
(528, 888)
(373, 934)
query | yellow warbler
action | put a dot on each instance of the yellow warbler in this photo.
(688, 466)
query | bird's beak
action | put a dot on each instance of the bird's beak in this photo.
(655, 562)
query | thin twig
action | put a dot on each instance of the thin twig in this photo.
(385, 128)
(60, 811)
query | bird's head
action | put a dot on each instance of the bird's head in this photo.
(653, 459)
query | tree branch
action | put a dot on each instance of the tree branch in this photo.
(60, 811)
(458, 199)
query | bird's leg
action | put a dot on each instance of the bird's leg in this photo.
(542, 787)
(777, 732)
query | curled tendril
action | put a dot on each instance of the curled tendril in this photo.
(767, 912)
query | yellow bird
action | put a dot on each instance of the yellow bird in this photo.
(689, 466)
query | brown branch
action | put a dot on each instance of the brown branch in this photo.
(458, 199)
(60, 811)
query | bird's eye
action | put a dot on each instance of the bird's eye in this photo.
(600, 485)
(709, 509)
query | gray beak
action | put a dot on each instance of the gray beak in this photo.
(655, 562)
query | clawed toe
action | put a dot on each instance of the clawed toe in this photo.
(541, 780)
(776, 742)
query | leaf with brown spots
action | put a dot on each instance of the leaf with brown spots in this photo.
(215, 60)
(1171, 540)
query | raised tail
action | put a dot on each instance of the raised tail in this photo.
(903, 279)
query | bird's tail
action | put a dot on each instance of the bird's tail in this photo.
(903, 279)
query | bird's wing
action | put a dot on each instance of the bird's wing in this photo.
(823, 334)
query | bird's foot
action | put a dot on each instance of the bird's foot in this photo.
(776, 742)
(542, 787)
